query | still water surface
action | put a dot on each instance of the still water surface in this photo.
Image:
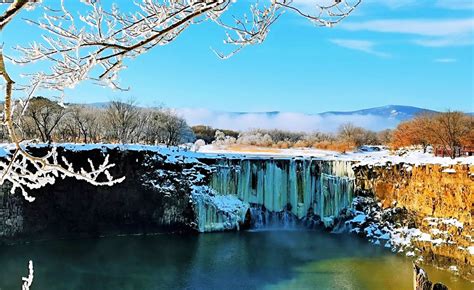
(242, 260)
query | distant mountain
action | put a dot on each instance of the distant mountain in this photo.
(394, 112)
(99, 105)
(399, 113)
(378, 118)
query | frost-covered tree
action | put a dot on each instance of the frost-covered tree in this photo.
(45, 115)
(172, 129)
(86, 121)
(121, 120)
(198, 144)
(93, 43)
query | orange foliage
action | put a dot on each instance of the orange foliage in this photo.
(468, 139)
(449, 129)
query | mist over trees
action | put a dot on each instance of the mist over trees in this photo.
(348, 137)
(451, 131)
(124, 122)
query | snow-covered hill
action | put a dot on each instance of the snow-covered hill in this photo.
(378, 118)
(396, 112)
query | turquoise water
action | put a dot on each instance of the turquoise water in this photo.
(237, 260)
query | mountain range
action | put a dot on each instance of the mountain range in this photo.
(397, 112)
(378, 118)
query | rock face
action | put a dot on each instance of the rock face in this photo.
(166, 191)
(421, 281)
(155, 196)
(11, 213)
(438, 206)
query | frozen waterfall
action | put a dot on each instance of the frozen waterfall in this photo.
(287, 189)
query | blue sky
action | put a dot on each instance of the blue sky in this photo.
(406, 52)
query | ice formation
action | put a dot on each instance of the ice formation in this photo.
(285, 189)
(217, 212)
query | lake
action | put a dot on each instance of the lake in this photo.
(276, 259)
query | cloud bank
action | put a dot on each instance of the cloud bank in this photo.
(284, 121)
(431, 32)
(360, 45)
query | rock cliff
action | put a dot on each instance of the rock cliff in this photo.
(437, 203)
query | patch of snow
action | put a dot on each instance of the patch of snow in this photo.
(470, 249)
(424, 237)
(453, 268)
(449, 170)
(432, 221)
(452, 222)
(379, 157)
(359, 218)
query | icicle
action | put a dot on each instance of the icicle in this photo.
(299, 187)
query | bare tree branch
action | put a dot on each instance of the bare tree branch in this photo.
(11, 11)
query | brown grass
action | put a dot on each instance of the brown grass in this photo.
(253, 149)
(335, 146)
(276, 148)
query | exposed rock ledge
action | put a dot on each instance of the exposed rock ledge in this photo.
(423, 211)
(422, 282)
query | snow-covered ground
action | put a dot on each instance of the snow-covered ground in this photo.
(368, 157)
(184, 154)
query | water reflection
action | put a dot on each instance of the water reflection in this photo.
(243, 260)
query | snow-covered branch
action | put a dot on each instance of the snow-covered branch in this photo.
(27, 172)
(75, 44)
(27, 281)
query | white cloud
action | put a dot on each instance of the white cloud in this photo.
(394, 4)
(284, 121)
(444, 41)
(445, 60)
(424, 27)
(360, 45)
(435, 32)
(456, 4)
(444, 4)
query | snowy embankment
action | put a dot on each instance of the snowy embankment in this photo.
(366, 156)
(392, 228)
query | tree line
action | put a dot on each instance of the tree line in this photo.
(348, 137)
(124, 122)
(452, 131)
(118, 122)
